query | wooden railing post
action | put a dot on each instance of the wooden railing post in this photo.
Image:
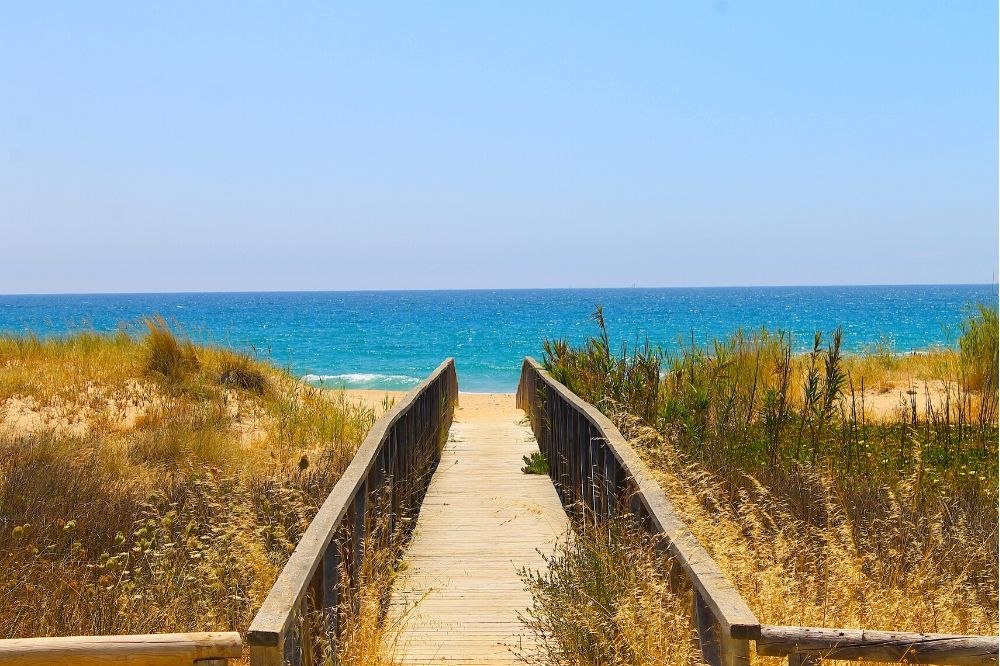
(202, 648)
(331, 592)
(717, 647)
(267, 655)
(735, 651)
(707, 630)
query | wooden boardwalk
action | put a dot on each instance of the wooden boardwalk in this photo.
(458, 599)
(482, 520)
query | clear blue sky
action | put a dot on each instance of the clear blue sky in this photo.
(244, 146)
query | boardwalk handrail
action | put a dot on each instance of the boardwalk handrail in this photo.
(386, 479)
(590, 462)
(202, 648)
(806, 645)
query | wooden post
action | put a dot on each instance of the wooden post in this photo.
(292, 644)
(717, 648)
(610, 472)
(202, 648)
(707, 629)
(635, 501)
(580, 446)
(261, 655)
(360, 508)
(331, 593)
(593, 494)
(389, 467)
(736, 652)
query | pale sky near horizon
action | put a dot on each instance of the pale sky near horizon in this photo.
(312, 146)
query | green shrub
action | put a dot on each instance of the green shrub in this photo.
(536, 463)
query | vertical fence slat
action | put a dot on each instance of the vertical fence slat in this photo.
(708, 631)
(331, 592)
(293, 642)
(267, 655)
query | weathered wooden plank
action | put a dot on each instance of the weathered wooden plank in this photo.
(481, 520)
(888, 646)
(152, 649)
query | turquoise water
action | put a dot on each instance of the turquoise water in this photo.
(392, 339)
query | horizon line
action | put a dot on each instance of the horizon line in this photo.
(633, 287)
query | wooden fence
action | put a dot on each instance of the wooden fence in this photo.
(201, 649)
(377, 496)
(593, 466)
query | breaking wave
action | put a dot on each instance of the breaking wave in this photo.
(363, 379)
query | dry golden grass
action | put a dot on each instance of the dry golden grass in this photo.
(790, 549)
(151, 485)
(896, 573)
(884, 371)
(369, 636)
(603, 600)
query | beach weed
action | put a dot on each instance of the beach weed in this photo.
(536, 463)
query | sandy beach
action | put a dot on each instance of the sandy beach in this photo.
(23, 415)
(481, 404)
(879, 405)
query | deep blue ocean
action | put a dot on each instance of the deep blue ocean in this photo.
(392, 339)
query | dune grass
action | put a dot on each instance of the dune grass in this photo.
(749, 401)
(603, 599)
(822, 508)
(148, 484)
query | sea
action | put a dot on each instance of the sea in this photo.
(392, 339)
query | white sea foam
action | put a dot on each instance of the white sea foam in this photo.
(361, 378)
